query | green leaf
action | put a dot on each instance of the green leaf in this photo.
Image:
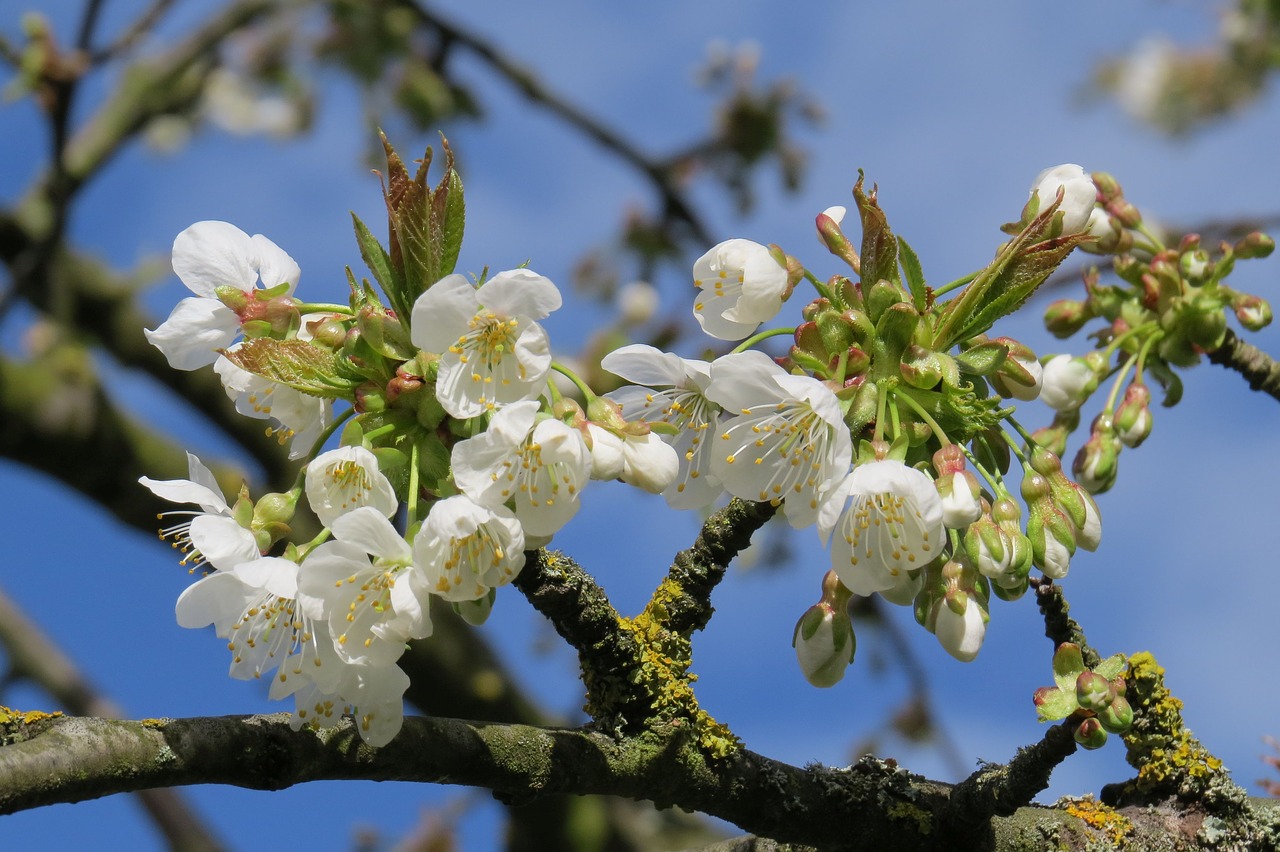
(1068, 664)
(299, 364)
(879, 247)
(1020, 266)
(454, 218)
(914, 274)
(1053, 703)
(1111, 667)
(379, 262)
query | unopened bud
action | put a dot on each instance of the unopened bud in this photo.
(1253, 312)
(920, 367)
(1133, 418)
(1093, 691)
(1116, 717)
(1097, 464)
(824, 639)
(833, 237)
(1067, 382)
(1065, 317)
(961, 634)
(1090, 734)
(1255, 244)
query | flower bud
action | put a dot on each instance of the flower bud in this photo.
(1090, 734)
(1110, 235)
(1020, 375)
(882, 296)
(1065, 317)
(1116, 717)
(1098, 462)
(831, 236)
(1067, 383)
(1133, 418)
(920, 367)
(1255, 244)
(961, 634)
(1194, 266)
(1078, 195)
(1253, 312)
(637, 302)
(958, 488)
(824, 639)
(1093, 691)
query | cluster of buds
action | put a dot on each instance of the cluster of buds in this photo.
(1093, 698)
(1168, 308)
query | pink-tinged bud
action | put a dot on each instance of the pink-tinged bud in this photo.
(1116, 717)
(1020, 376)
(1053, 438)
(1090, 734)
(1195, 266)
(1133, 418)
(1253, 312)
(1067, 383)
(1093, 691)
(831, 236)
(1108, 187)
(1098, 462)
(1065, 317)
(1125, 213)
(1255, 244)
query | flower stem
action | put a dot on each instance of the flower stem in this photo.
(764, 335)
(959, 282)
(587, 395)
(924, 415)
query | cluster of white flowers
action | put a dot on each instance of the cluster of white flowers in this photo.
(506, 459)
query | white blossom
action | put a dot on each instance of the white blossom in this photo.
(465, 549)
(212, 536)
(345, 479)
(207, 256)
(493, 352)
(740, 286)
(961, 635)
(539, 465)
(786, 441)
(883, 520)
(674, 393)
(1066, 383)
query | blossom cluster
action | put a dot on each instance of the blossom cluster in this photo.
(887, 427)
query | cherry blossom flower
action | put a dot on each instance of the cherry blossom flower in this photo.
(539, 465)
(254, 606)
(214, 535)
(1066, 383)
(493, 352)
(466, 549)
(787, 441)
(741, 286)
(209, 257)
(674, 393)
(345, 479)
(887, 520)
(365, 585)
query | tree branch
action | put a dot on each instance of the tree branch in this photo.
(33, 655)
(1058, 626)
(1258, 368)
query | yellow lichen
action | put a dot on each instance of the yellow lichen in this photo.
(9, 716)
(1113, 825)
(906, 811)
(1167, 756)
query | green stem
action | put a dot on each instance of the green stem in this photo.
(1142, 228)
(328, 433)
(817, 285)
(1013, 445)
(764, 335)
(587, 395)
(882, 404)
(323, 308)
(411, 499)
(1115, 386)
(959, 282)
(924, 415)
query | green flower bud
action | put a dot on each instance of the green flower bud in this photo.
(1093, 691)
(1065, 317)
(1090, 734)
(882, 296)
(1255, 244)
(920, 367)
(1253, 312)
(1098, 462)
(1117, 716)
(1133, 418)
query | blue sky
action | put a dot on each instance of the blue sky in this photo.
(952, 112)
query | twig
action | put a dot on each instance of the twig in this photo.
(1058, 626)
(1259, 369)
(139, 28)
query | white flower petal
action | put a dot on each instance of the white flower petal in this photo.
(214, 254)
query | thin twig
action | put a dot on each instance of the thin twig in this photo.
(136, 30)
(1258, 368)
(1058, 626)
